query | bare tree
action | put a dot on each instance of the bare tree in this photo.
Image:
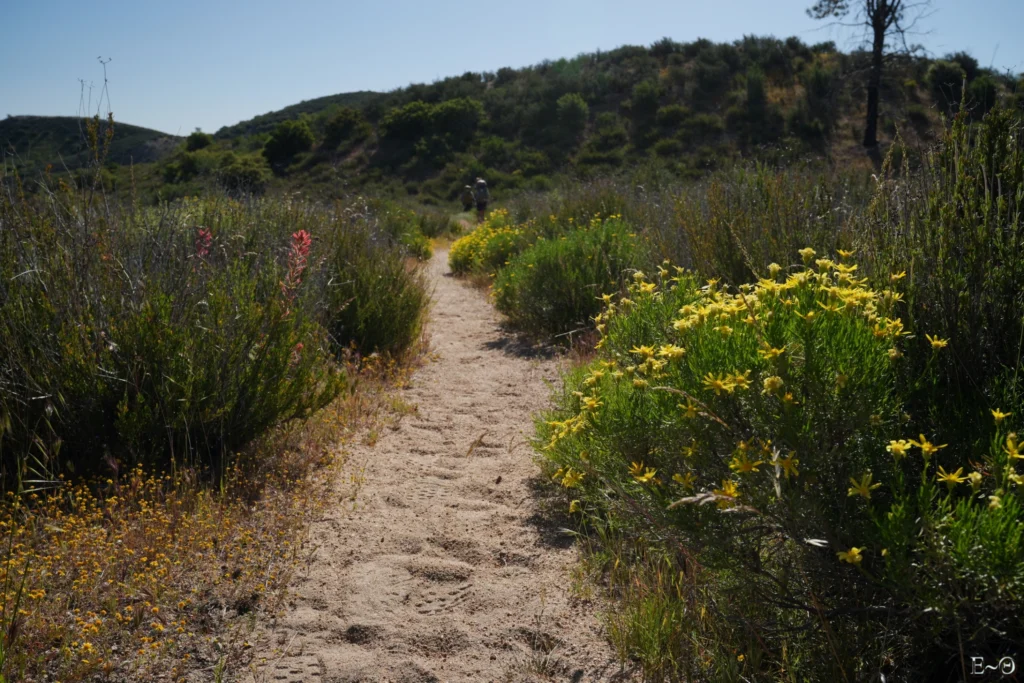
(887, 23)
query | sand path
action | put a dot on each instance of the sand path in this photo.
(447, 569)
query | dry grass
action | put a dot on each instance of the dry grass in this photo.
(152, 576)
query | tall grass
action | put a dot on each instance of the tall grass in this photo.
(177, 334)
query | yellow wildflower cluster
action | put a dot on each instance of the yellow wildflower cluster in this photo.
(113, 580)
(467, 251)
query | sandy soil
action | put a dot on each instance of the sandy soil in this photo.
(449, 567)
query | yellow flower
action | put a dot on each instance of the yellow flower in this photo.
(740, 464)
(572, 478)
(646, 476)
(975, 479)
(636, 469)
(690, 409)
(773, 384)
(671, 351)
(718, 384)
(896, 277)
(995, 502)
(728, 491)
(639, 276)
(853, 555)
(807, 254)
(928, 449)
(685, 480)
(846, 254)
(789, 465)
(899, 448)
(808, 316)
(770, 353)
(774, 268)
(724, 330)
(591, 403)
(574, 506)
(741, 381)
(1012, 448)
(951, 478)
(639, 383)
(645, 351)
(864, 487)
(1000, 415)
(895, 353)
(936, 342)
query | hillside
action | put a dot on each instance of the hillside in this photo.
(685, 108)
(266, 122)
(35, 141)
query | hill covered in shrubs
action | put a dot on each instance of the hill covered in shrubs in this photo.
(687, 107)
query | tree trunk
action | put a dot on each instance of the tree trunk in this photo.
(875, 77)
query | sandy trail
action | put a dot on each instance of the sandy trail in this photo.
(446, 570)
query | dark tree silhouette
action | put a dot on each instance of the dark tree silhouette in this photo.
(887, 22)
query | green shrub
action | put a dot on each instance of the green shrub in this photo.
(348, 123)
(176, 335)
(668, 148)
(754, 443)
(573, 113)
(945, 81)
(288, 139)
(554, 287)
(243, 175)
(198, 140)
(490, 246)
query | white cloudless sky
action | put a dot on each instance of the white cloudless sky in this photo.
(190, 63)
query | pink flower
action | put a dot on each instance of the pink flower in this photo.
(204, 238)
(301, 242)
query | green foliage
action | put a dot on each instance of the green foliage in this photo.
(945, 80)
(176, 335)
(968, 64)
(982, 95)
(198, 140)
(573, 113)
(553, 287)
(243, 175)
(956, 227)
(35, 141)
(288, 139)
(345, 125)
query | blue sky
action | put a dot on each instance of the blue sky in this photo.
(179, 65)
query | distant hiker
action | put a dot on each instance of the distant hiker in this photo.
(481, 195)
(467, 198)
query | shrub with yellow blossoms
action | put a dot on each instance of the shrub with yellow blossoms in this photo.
(826, 498)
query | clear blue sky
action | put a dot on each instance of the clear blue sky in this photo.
(182, 64)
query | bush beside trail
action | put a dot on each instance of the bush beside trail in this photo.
(808, 470)
(172, 380)
(758, 440)
(179, 334)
